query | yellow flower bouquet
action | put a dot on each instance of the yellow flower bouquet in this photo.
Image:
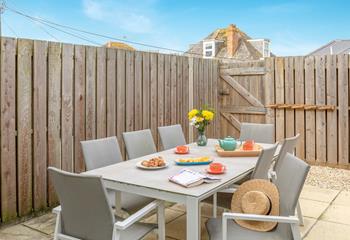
(200, 118)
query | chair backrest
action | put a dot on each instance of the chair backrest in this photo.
(139, 143)
(101, 152)
(262, 133)
(171, 136)
(290, 181)
(86, 213)
(264, 162)
(288, 146)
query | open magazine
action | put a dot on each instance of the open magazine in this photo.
(189, 178)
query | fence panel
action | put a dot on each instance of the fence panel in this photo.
(308, 95)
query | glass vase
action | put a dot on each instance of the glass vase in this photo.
(202, 139)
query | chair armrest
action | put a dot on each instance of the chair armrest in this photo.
(122, 225)
(255, 217)
(57, 210)
(292, 220)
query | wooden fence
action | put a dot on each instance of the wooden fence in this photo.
(54, 95)
(305, 95)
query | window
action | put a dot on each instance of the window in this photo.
(209, 49)
(266, 49)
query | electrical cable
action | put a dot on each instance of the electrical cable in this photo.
(52, 24)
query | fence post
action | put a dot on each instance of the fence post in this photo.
(190, 93)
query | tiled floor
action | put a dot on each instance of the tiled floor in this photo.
(326, 216)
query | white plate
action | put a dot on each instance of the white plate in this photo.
(139, 165)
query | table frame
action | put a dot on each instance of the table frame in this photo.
(193, 208)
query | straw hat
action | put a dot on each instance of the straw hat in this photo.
(256, 196)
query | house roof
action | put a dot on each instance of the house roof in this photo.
(244, 51)
(119, 45)
(333, 47)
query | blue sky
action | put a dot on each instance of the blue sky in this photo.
(294, 27)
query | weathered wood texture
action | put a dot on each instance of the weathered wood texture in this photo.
(55, 95)
(303, 88)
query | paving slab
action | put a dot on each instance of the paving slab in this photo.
(21, 232)
(45, 223)
(207, 210)
(311, 208)
(337, 214)
(343, 199)
(308, 224)
(154, 236)
(318, 194)
(328, 231)
(177, 228)
(179, 207)
(170, 215)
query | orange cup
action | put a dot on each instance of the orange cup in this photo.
(216, 167)
(248, 145)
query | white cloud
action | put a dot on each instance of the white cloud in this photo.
(133, 16)
(93, 9)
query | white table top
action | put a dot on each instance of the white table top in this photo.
(127, 173)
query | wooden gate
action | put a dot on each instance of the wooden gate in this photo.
(241, 95)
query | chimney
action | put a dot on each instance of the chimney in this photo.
(232, 39)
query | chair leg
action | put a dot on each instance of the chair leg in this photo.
(57, 227)
(215, 205)
(296, 232)
(300, 215)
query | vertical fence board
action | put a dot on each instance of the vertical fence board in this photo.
(101, 93)
(24, 126)
(153, 97)
(90, 93)
(8, 128)
(269, 80)
(167, 93)
(210, 90)
(179, 84)
(40, 123)
(121, 97)
(321, 141)
(279, 90)
(54, 114)
(173, 89)
(67, 107)
(145, 90)
(215, 76)
(130, 86)
(185, 94)
(289, 95)
(138, 90)
(343, 103)
(190, 94)
(111, 92)
(160, 93)
(332, 119)
(310, 135)
(79, 107)
(299, 99)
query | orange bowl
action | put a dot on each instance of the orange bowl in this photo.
(182, 149)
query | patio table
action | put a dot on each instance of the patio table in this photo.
(126, 177)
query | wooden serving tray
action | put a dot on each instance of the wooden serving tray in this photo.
(239, 152)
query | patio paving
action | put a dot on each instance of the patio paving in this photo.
(326, 216)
